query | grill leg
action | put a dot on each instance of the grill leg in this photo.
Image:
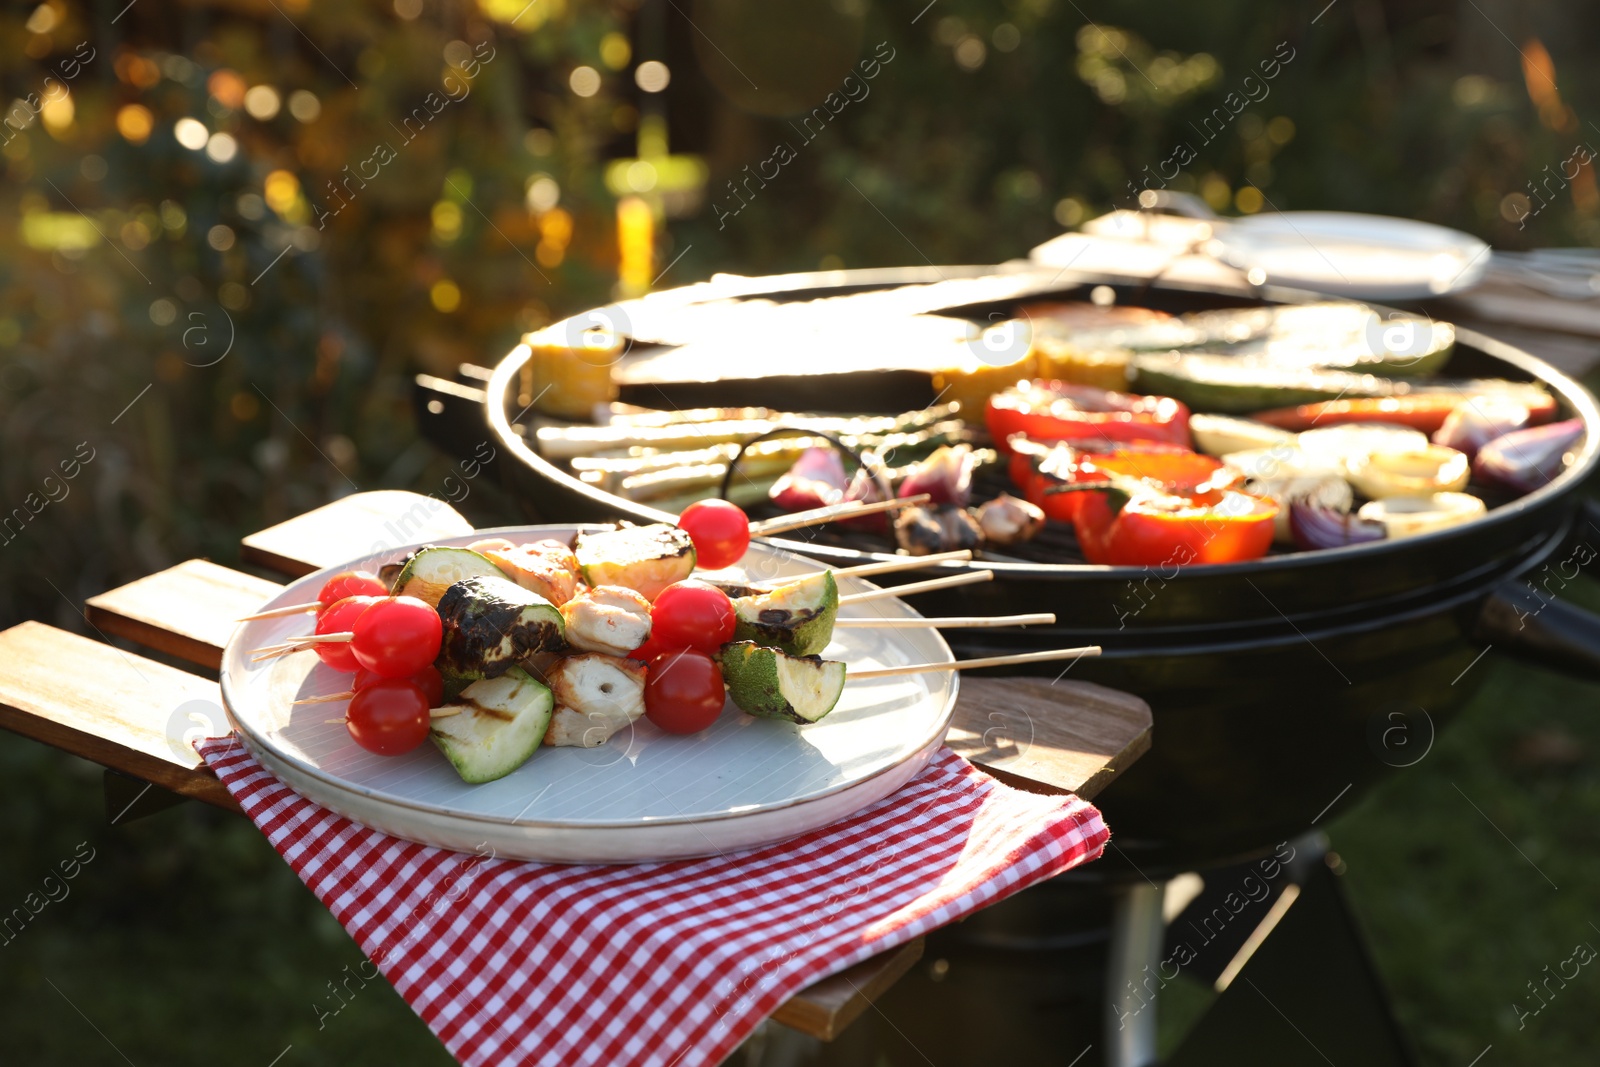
(1137, 933)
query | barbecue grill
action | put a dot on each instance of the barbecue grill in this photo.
(1278, 685)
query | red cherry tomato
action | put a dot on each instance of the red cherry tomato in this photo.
(389, 717)
(428, 679)
(351, 583)
(683, 692)
(720, 532)
(339, 618)
(397, 637)
(691, 614)
(650, 649)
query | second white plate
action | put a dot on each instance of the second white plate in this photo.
(1371, 257)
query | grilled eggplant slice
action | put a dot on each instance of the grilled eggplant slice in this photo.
(796, 618)
(490, 624)
(595, 697)
(497, 724)
(430, 570)
(643, 558)
(771, 685)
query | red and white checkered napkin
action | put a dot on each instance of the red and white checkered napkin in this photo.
(659, 963)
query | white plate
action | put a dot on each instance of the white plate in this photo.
(644, 795)
(1371, 257)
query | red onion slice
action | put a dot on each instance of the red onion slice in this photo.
(1525, 460)
(1313, 526)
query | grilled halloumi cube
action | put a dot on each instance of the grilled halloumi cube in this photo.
(608, 618)
(545, 567)
(595, 696)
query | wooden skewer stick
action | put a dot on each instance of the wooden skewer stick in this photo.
(816, 516)
(951, 622)
(327, 699)
(435, 713)
(275, 653)
(287, 609)
(888, 566)
(918, 587)
(988, 661)
(903, 563)
(307, 641)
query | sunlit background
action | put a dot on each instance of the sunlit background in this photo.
(234, 229)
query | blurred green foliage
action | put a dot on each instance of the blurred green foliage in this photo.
(239, 177)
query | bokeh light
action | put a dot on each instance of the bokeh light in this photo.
(615, 51)
(445, 295)
(221, 147)
(585, 81)
(134, 122)
(304, 105)
(191, 133)
(262, 102)
(652, 76)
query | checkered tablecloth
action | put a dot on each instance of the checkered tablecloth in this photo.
(660, 963)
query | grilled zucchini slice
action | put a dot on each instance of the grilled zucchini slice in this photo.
(490, 624)
(771, 685)
(499, 723)
(646, 559)
(796, 618)
(430, 570)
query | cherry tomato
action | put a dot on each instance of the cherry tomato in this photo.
(397, 636)
(691, 614)
(428, 679)
(683, 691)
(720, 532)
(339, 618)
(351, 583)
(650, 649)
(389, 717)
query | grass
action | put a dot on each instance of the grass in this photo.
(1476, 870)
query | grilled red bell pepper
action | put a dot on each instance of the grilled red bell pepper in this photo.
(1048, 410)
(1035, 470)
(1137, 527)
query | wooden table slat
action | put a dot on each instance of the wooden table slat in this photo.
(828, 1006)
(1049, 737)
(187, 611)
(113, 707)
(361, 524)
